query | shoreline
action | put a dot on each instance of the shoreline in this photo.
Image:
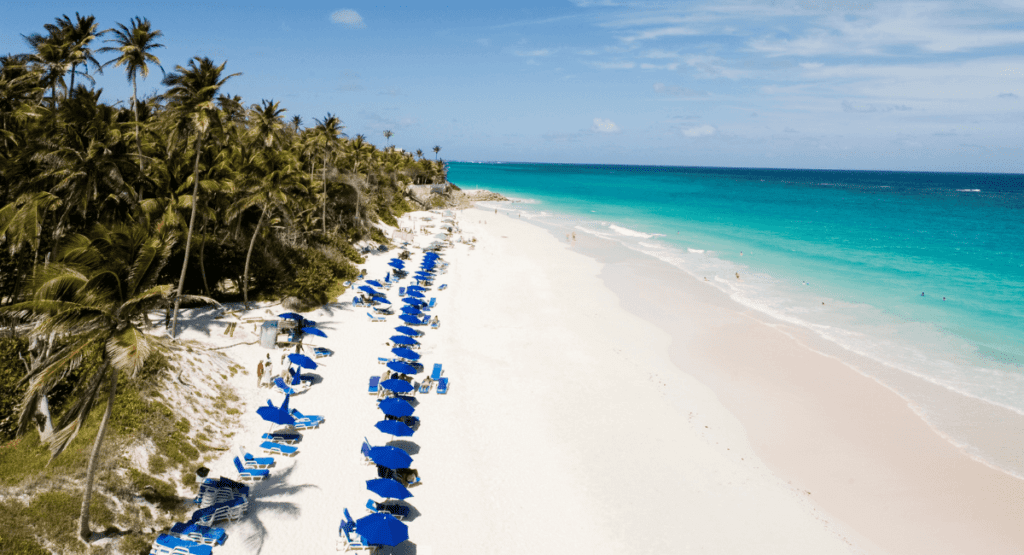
(806, 431)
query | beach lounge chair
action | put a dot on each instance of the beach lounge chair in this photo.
(383, 360)
(376, 318)
(442, 386)
(436, 375)
(443, 287)
(166, 544)
(349, 539)
(432, 303)
(306, 417)
(198, 533)
(435, 324)
(283, 438)
(401, 291)
(322, 352)
(232, 510)
(425, 386)
(220, 490)
(250, 474)
(374, 385)
(364, 450)
(251, 462)
(279, 449)
(394, 509)
(356, 301)
(283, 387)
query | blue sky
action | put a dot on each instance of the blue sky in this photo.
(841, 84)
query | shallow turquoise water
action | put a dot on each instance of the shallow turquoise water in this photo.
(865, 243)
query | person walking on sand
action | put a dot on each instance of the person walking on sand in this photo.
(259, 374)
(268, 366)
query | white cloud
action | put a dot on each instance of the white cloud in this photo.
(533, 53)
(670, 67)
(663, 32)
(699, 131)
(613, 65)
(348, 18)
(604, 126)
(866, 108)
(672, 90)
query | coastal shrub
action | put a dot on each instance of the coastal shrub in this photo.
(377, 235)
(437, 201)
(11, 390)
(152, 489)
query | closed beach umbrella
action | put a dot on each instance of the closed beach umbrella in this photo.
(388, 488)
(393, 406)
(382, 529)
(406, 353)
(390, 457)
(403, 340)
(302, 361)
(290, 316)
(402, 367)
(396, 385)
(394, 428)
(314, 331)
(408, 331)
(411, 320)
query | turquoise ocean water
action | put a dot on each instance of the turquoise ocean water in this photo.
(865, 243)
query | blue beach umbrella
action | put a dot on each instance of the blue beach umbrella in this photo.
(290, 316)
(394, 428)
(396, 266)
(378, 299)
(396, 385)
(406, 353)
(382, 529)
(368, 290)
(411, 320)
(276, 415)
(419, 288)
(390, 457)
(403, 340)
(314, 331)
(413, 301)
(402, 367)
(388, 488)
(302, 360)
(393, 406)
(374, 283)
(408, 331)
(407, 309)
(414, 294)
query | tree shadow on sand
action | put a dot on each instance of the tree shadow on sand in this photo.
(267, 501)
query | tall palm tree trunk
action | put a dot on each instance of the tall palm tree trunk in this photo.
(188, 240)
(83, 521)
(202, 252)
(324, 222)
(138, 139)
(248, 257)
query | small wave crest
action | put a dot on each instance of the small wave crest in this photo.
(969, 190)
(695, 251)
(632, 233)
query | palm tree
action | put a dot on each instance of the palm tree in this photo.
(387, 136)
(93, 294)
(80, 33)
(52, 55)
(419, 153)
(329, 131)
(436, 150)
(296, 123)
(271, 173)
(192, 108)
(134, 45)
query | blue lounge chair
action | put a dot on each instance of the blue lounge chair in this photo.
(199, 533)
(283, 438)
(376, 318)
(356, 301)
(279, 449)
(394, 509)
(166, 544)
(442, 386)
(425, 386)
(216, 491)
(401, 291)
(432, 303)
(365, 452)
(232, 510)
(322, 352)
(435, 325)
(250, 474)
(437, 372)
(443, 287)
(251, 462)
(374, 385)
(283, 387)
(306, 417)
(383, 360)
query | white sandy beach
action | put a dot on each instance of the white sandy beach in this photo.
(567, 428)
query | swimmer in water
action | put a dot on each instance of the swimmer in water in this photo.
(922, 293)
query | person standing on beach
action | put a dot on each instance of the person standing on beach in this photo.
(268, 366)
(259, 374)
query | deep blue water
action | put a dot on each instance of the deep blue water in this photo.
(866, 243)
